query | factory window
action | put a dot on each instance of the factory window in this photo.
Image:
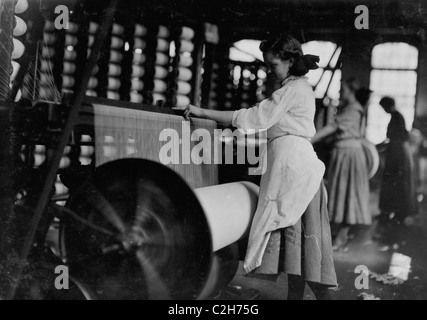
(326, 80)
(394, 73)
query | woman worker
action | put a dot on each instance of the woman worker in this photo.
(290, 231)
(347, 176)
(398, 194)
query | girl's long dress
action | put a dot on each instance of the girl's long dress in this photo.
(398, 185)
(292, 203)
(348, 177)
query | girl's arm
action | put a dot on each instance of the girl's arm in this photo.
(323, 133)
(225, 117)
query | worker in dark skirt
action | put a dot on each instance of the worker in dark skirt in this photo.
(348, 176)
(290, 231)
(398, 194)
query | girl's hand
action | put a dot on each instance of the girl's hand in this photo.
(190, 110)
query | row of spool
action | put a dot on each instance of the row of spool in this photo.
(243, 85)
(172, 64)
(35, 156)
(169, 80)
(19, 32)
(80, 152)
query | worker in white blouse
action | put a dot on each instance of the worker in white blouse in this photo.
(290, 232)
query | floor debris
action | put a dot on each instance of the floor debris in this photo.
(367, 297)
(386, 279)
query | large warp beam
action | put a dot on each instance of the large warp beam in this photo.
(142, 233)
(169, 230)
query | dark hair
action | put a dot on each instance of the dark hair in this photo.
(286, 47)
(387, 102)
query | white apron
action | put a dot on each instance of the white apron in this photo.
(293, 174)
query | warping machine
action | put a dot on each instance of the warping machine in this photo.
(82, 179)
